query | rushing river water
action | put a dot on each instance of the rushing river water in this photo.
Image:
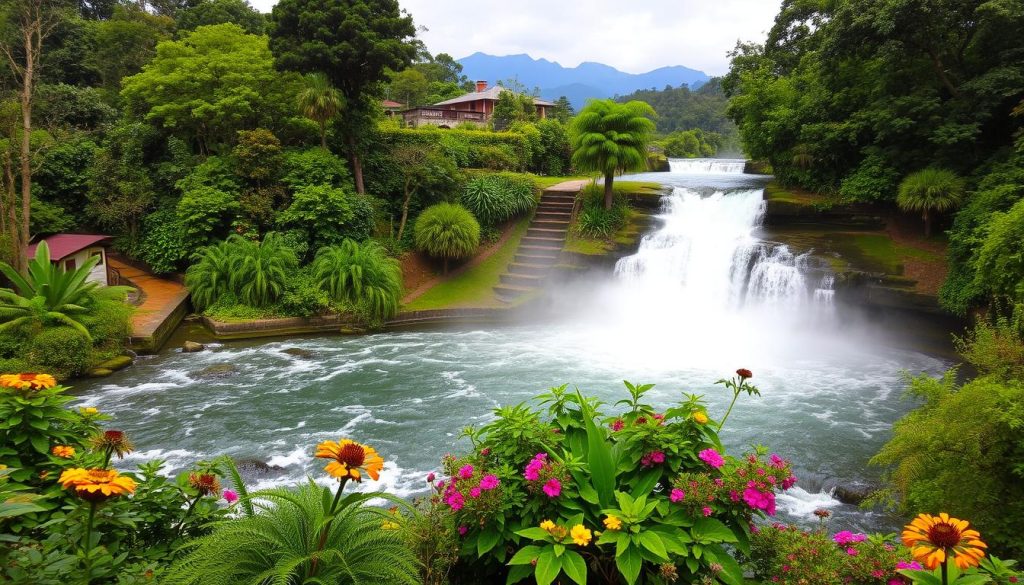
(702, 296)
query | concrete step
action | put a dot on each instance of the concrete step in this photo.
(524, 280)
(528, 257)
(553, 216)
(543, 241)
(564, 206)
(529, 269)
(547, 232)
(540, 250)
(560, 197)
(511, 292)
(550, 224)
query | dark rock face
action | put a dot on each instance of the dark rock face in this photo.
(251, 469)
(216, 371)
(299, 353)
(852, 494)
(192, 347)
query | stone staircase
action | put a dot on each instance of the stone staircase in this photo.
(540, 248)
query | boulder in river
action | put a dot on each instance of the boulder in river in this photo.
(99, 373)
(192, 347)
(251, 469)
(299, 353)
(116, 363)
(852, 494)
(216, 371)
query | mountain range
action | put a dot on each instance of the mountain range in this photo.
(587, 81)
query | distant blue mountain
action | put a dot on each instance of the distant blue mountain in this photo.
(587, 81)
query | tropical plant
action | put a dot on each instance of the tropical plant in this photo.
(930, 191)
(611, 139)
(209, 276)
(494, 199)
(361, 274)
(447, 231)
(319, 101)
(48, 294)
(596, 221)
(205, 214)
(327, 215)
(261, 269)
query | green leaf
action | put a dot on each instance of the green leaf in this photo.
(525, 555)
(653, 543)
(646, 481)
(922, 577)
(712, 530)
(533, 533)
(732, 573)
(548, 566)
(518, 573)
(486, 541)
(599, 456)
(575, 567)
(587, 492)
(629, 564)
(40, 443)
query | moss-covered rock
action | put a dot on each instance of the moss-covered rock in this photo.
(114, 364)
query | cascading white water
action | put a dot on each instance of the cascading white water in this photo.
(707, 166)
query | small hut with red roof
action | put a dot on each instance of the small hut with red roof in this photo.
(70, 251)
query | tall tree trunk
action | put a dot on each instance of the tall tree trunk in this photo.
(927, 223)
(405, 210)
(357, 165)
(26, 139)
(609, 191)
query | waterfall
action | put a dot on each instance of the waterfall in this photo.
(706, 258)
(707, 166)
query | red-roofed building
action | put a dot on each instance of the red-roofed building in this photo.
(72, 250)
(476, 107)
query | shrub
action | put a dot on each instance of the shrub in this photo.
(362, 275)
(494, 199)
(788, 555)
(544, 482)
(555, 155)
(315, 167)
(594, 221)
(930, 190)
(1000, 263)
(110, 323)
(258, 155)
(61, 350)
(874, 180)
(447, 231)
(495, 158)
(328, 216)
(303, 296)
(255, 273)
(214, 172)
(205, 214)
(164, 247)
(209, 276)
(996, 345)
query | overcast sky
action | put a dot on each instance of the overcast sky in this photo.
(634, 36)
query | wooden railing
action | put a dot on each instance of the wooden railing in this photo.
(442, 114)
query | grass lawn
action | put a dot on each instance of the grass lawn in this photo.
(639, 188)
(627, 235)
(881, 250)
(473, 288)
(776, 192)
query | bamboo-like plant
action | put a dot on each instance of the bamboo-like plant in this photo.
(255, 272)
(361, 274)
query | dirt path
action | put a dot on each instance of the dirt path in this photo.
(160, 298)
(929, 270)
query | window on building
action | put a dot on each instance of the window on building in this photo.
(97, 254)
(70, 264)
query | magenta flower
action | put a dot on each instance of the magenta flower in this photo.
(734, 495)
(759, 500)
(440, 485)
(456, 501)
(878, 573)
(485, 451)
(846, 537)
(474, 493)
(895, 581)
(852, 552)
(912, 565)
(463, 530)
(466, 472)
(230, 496)
(789, 482)
(676, 496)
(775, 461)
(431, 477)
(618, 424)
(489, 482)
(706, 511)
(658, 457)
(712, 458)
(553, 488)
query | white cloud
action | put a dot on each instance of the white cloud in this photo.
(632, 36)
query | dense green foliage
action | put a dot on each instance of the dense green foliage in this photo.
(447, 231)
(255, 273)
(611, 138)
(494, 199)
(930, 190)
(597, 221)
(682, 109)
(850, 97)
(691, 144)
(362, 275)
(961, 451)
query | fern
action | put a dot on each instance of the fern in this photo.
(239, 485)
(361, 274)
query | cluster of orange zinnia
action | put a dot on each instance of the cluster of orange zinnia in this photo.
(933, 540)
(27, 381)
(96, 485)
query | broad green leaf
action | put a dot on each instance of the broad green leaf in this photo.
(732, 573)
(921, 577)
(525, 555)
(533, 533)
(646, 481)
(575, 567)
(518, 573)
(599, 458)
(629, 564)
(40, 444)
(653, 543)
(587, 492)
(486, 541)
(548, 567)
(712, 530)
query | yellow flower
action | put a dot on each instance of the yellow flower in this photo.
(580, 535)
(389, 525)
(933, 539)
(27, 381)
(89, 410)
(349, 459)
(547, 525)
(700, 418)
(612, 523)
(64, 451)
(96, 485)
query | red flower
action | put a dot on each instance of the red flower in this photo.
(744, 373)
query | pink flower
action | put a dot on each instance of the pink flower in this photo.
(734, 495)
(785, 568)
(712, 458)
(759, 500)
(230, 496)
(463, 530)
(789, 482)
(466, 472)
(912, 565)
(677, 495)
(440, 485)
(474, 493)
(489, 482)
(846, 537)
(775, 461)
(456, 501)
(877, 573)
(706, 511)
(618, 424)
(553, 488)
(485, 451)
(658, 457)
(719, 482)
(852, 552)
(895, 581)
(431, 477)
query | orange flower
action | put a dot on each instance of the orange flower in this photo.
(349, 459)
(206, 483)
(63, 451)
(96, 485)
(27, 381)
(699, 417)
(113, 442)
(933, 539)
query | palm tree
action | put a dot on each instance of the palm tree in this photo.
(930, 190)
(611, 138)
(321, 102)
(361, 274)
(282, 543)
(210, 274)
(261, 269)
(49, 294)
(447, 231)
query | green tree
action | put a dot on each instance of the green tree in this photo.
(120, 188)
(258, 155)
(513, 107)
(1000, 263)
(447, 231)
(320, 102)
(213, 82)
(207, 12)
(353, 43)
(126, 42)
(205, 214)
(930, 191)
(327, 215)
(361, 274)
(563, 110)
(410, 87)
(421, 167)
(611, 138)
